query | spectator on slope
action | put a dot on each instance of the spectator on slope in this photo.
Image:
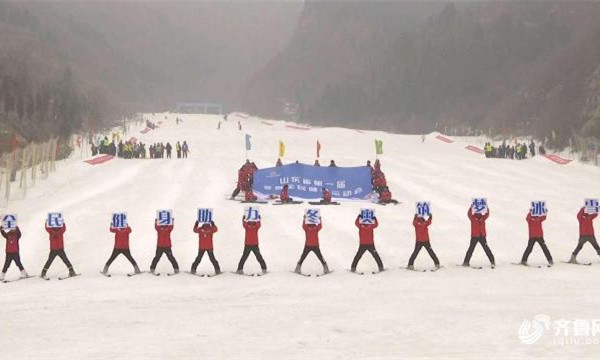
(239, 126)
(311, 244)
(284, 196)
(205, 245)
(586, 234)
(478, 235)
(422, 240)
(163, 246)
(366, 243)
(12, 237)
(121, 247)
(169, 148)
(332, 164)
(536, 235)
(185, 149)
(120, 149)
(542, 150)
(94, 149)
(251, 245)
(57, 248)
(369, 166)
(178, 150)
(532, 148)
(112, 149)
(317, 163)
(279, 163)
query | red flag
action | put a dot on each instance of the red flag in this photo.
(318, 149)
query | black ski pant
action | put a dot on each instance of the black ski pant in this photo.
(529, 248)
(481, 240)
(61, 254)
(307, 250)
(361, 251)
(247, 250)
(427, 246)
(168, 154)
(159, 253)
(212, 258)
(582, 240)
(10, 257)
(117, 252)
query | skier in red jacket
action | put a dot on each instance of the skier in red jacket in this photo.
(478, 235)
(586, 233)
(251, 245)
(121, 247)
(57, 248)
(311, 244)
(422, 240)
(284, 196)
(536, 234)
(12, 237)
(205, 244)
(163, 246)
(365, 234)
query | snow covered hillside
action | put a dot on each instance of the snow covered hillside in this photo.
(455, 312)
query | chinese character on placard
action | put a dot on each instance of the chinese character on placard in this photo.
(423, 209)
(9, 222)
(55, 220)
(591, 206)
(164, 217)
(284, 180)
(367, 216)
(306, 181)
(479, 206)
(538, 208)
(205, 216)
(252, 213)
(296, 179)
(312, 216)
(340, 184)
(119, 220)
(318, 183)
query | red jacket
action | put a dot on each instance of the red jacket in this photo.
(365, 231)
(478, 223)
(421, 231)
(56, 237)
(249, 196)
(121, 237)
(586, 227)
(312, 234)
(12, 240)
(164, 235)
(379, 179)
(326, 196)
(205, 235)
(251, 232)
(284, 196)
(535, 226)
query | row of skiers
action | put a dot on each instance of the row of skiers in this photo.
(160, 150)
(251, 244)
(518, 151)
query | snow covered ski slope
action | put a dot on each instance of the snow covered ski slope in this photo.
(454, 313)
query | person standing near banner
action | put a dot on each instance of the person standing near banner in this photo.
(163, 246)
(586, 233)
(536, 235)
(422, 241)
(366, 243)
(284, 196)
(311, 245)
(326, 196)
(57, 248)
(12, 237)
(251, 245)
(478, 235)
(121, 247)
(205, 245)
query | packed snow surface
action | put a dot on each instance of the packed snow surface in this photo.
(454, 313)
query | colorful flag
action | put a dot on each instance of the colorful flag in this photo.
(281, 149)
(378, 147)
(248, 144)
(318, 149)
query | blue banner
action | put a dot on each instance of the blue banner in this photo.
(307, 181)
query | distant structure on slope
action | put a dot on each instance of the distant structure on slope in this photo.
(199, 108)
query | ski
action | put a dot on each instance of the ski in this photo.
(68, 277)
(435, 269)
(576, 263)
(134, 274)
(172, 274)
(323, 274)
(254, 202)
(17, 279)
(250, 275)
(413, 269)
(472, 267)
(105, 274)
(384, 203)
(287, 202)
(323, 203)
(203, 275)
(526, 265)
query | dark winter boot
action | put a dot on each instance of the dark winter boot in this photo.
(326, 268)
(105, 270)
(410, 267)
(72, 272)
(466, 264)
(298, 268)
(176, 271)
(43, 275)
(353, 270)
(240, 272)
(573, 259)
(264, 271)
(136, 270)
